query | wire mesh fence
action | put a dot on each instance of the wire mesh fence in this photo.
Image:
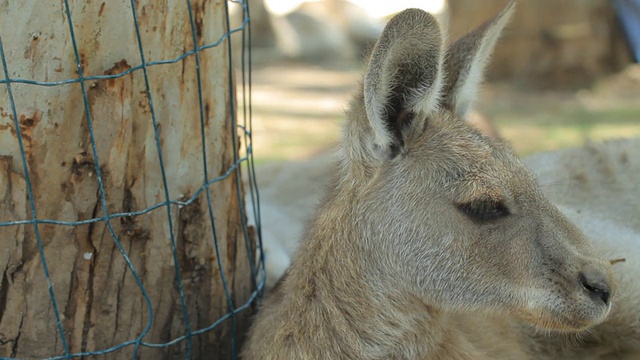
(103, 261)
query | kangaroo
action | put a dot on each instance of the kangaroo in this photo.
(433, 241)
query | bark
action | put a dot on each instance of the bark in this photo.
(97, 296)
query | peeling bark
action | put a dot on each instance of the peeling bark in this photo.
(99, 302)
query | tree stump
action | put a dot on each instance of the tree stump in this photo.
(99, 302)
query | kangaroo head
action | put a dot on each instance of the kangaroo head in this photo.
(451, 216)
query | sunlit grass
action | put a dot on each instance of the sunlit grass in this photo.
(543, 126)
(298, 110)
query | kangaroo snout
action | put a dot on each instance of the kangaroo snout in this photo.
(599, 284)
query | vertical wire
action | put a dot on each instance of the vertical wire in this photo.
(103, 199)
(176, 264)
(252, 171)
(32, 204)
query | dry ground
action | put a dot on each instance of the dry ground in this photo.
(298, 109)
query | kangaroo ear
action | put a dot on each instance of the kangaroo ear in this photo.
(404, 76)
(467, 59)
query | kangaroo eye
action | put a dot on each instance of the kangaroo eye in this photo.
(484, 210)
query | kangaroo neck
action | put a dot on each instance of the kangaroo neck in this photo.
(338, 293)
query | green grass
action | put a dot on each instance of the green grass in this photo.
(537, 127)
(298, 111)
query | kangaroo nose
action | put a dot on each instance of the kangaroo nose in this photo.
(596, 285)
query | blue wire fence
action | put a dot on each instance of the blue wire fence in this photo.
(241, 127)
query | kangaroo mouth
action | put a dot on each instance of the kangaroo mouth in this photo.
(563, 322)
(566, 313)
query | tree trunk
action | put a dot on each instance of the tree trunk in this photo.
(99, 302)
(549, 42)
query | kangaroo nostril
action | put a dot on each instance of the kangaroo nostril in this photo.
(596, 285)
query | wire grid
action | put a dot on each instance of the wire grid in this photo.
(257, 268)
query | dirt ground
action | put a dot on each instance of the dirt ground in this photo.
(298, 110)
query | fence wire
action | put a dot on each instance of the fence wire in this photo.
(242, 156)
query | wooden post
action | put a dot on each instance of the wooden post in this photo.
(99, 302)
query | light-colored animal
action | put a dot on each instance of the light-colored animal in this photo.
(598, 188)
(435, 241)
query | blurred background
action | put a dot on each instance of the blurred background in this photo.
(563, 73)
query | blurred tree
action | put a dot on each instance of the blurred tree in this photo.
(549, 42)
